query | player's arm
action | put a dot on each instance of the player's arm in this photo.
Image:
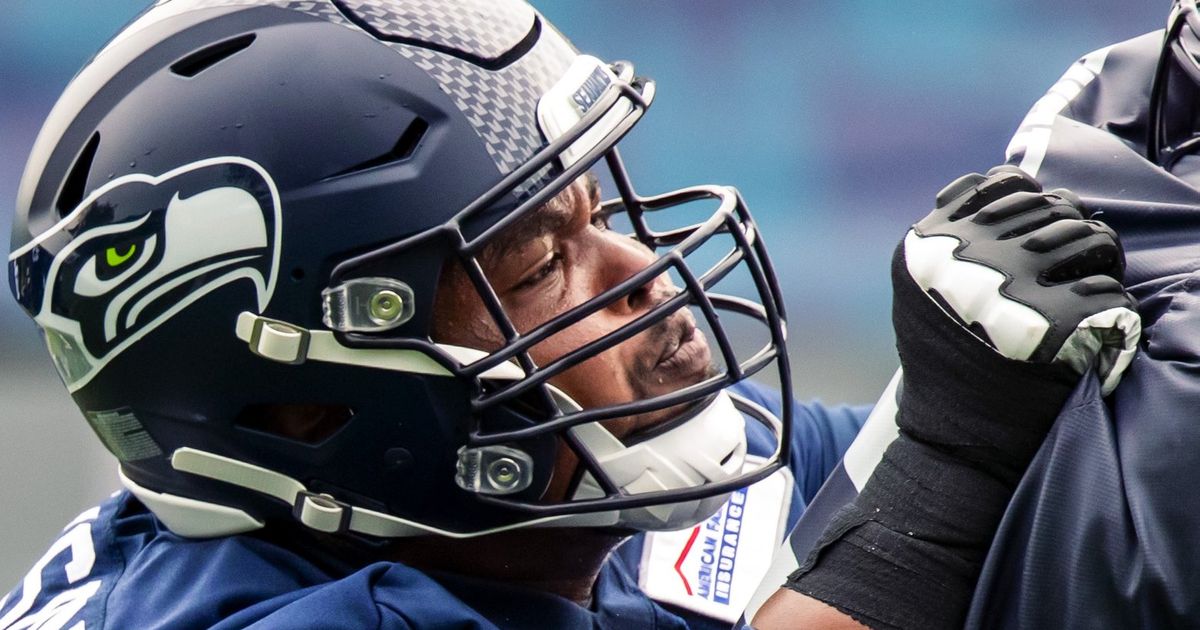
(1004, 296)
(789, 609)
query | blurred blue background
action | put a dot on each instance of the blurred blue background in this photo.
(837, 120)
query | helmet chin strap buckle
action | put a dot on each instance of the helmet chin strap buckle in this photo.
(278, 341)
(322, 512)
(287, 343)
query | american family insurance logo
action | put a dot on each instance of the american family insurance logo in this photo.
(717, 550)
(715, 567)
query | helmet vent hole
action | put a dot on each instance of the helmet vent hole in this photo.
(72, 189)
(404, 148)
(308, 423)
(206, 58)
(297, 274)
(407, 144)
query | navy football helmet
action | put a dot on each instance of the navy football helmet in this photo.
(243, 205)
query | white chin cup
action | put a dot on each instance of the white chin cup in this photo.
(708, 448)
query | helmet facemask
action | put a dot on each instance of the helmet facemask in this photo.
(700, 456)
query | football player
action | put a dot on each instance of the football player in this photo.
(338, 284)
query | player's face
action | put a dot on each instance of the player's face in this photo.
(558, 257)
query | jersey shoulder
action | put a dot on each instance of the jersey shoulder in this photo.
(116, 566)
(71, 580)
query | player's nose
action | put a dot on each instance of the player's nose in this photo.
(621, 259)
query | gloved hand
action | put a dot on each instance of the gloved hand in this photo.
(1026, 273)
(1003, 296)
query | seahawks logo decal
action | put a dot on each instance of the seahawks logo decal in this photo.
(140, 249)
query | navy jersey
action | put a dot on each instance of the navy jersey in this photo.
(117, 566)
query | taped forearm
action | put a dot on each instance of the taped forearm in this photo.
(907, 552)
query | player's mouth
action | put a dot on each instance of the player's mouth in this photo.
(686, 352)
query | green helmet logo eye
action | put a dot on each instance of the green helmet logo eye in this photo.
(115, 259)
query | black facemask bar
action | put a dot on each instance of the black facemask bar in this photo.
(731, 218)
(1181, 52)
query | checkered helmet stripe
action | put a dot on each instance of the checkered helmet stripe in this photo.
(501, 104)
(483, 28)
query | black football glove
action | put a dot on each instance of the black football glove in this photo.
(1002, 263)
(1026, 273)
(1004, 296)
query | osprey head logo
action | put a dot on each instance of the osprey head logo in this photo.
(139, 250)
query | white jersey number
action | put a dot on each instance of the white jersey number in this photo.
(56, 613)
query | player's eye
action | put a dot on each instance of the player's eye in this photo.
(541, 274)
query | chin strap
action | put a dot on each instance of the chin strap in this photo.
(674, 459)
(322, 512)
(706, 448)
